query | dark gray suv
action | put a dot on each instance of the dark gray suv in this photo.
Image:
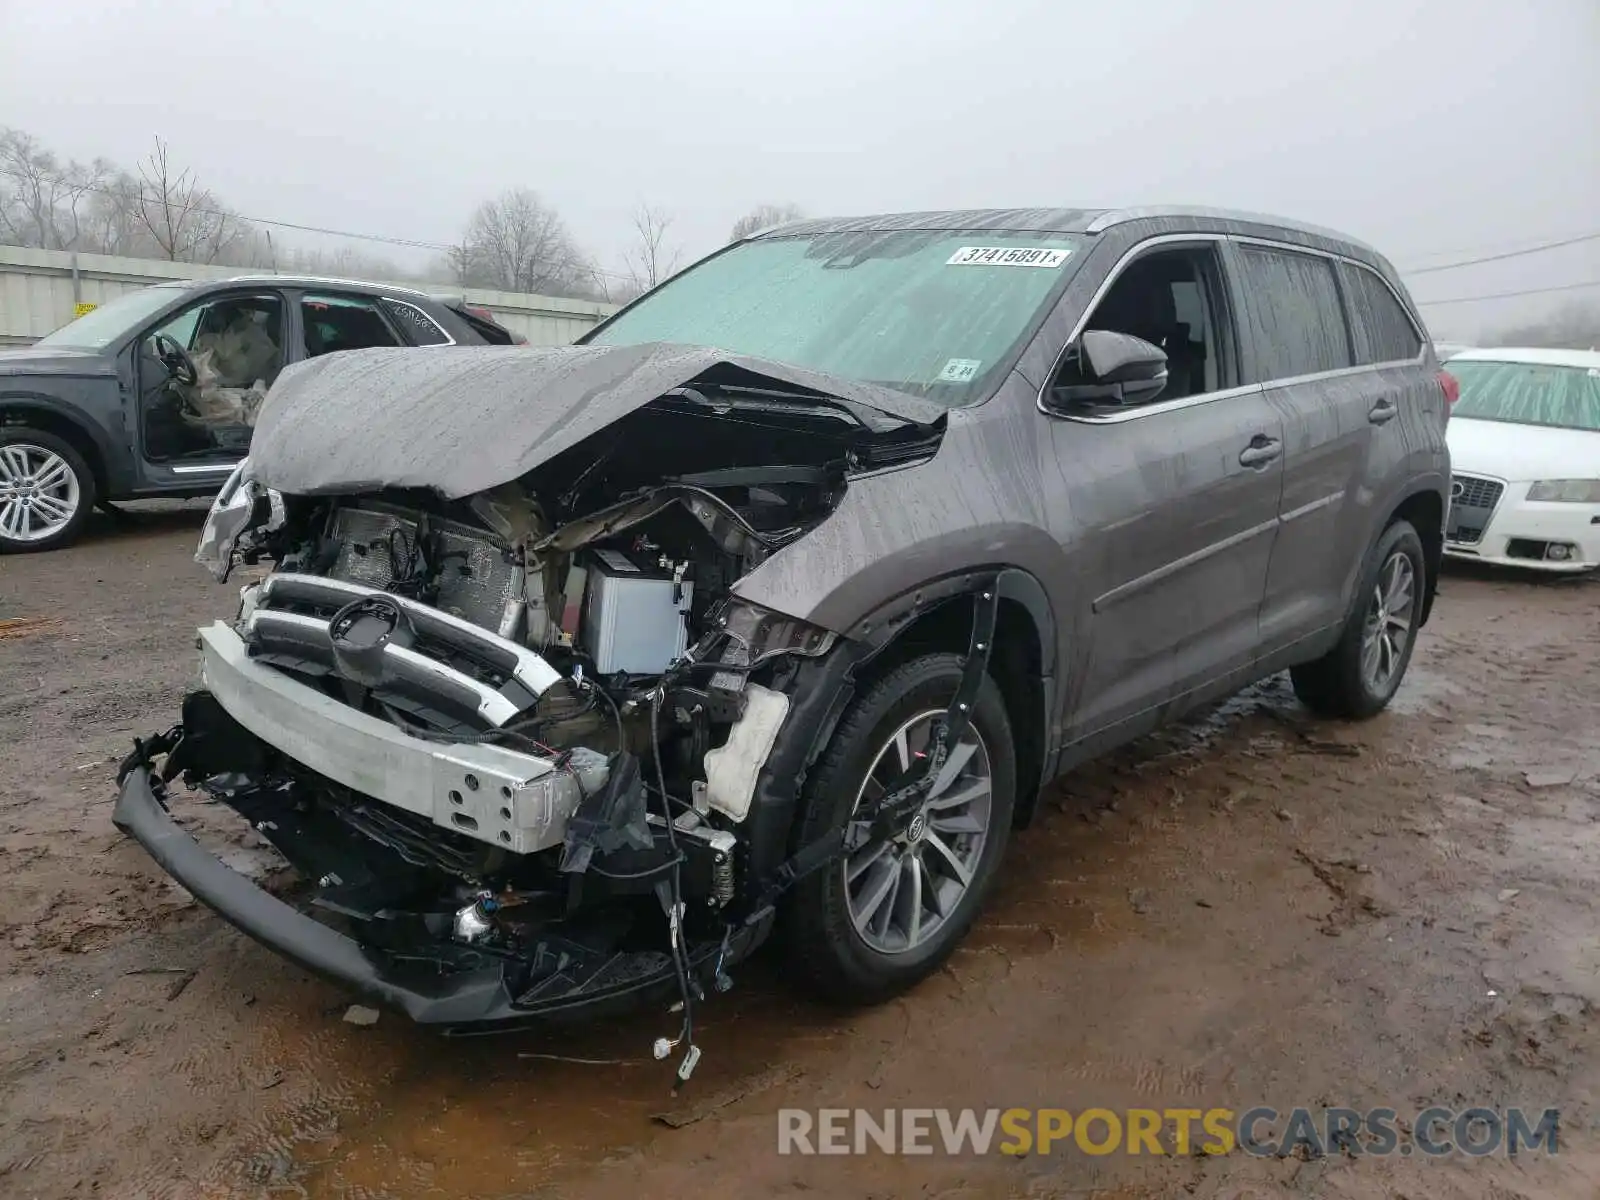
(154, 393)
(775, 603)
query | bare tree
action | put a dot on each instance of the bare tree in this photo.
(187, 223)
(457, 266)
(42, 199)
(763, 216)
(517, 243)
(162, 211)
(112, 224)
(651, 260)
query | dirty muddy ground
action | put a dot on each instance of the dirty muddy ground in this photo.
(1253, 909)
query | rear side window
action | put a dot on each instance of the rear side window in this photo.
(418, 327)
(1295, 319)
(335, 323)
(1383, 329)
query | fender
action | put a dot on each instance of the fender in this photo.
(823, 689)
(878, 630)
(1022, 587)
(879, 626)
(114, 459)
(1421, 484)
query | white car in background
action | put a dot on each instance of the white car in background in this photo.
(1525, 459)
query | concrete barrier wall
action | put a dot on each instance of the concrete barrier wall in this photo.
(41, 289)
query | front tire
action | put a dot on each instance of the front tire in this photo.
(1359, 676)
(46, 491)
(869, 927)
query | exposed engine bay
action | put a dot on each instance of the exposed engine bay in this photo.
(521, 729)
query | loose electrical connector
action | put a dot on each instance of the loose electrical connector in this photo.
(687, 1066)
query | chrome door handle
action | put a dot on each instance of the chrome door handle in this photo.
(1382, 412)
(1260, 452)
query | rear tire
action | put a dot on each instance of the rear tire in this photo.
(46, 491)
(852, 940)
(1358, 677)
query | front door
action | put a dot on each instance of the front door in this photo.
(1176, 512)
(1171, 505)
(201, 375)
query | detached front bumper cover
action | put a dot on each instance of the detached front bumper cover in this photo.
(464, 998)
(473, 1001)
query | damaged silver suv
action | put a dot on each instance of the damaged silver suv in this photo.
(773, 604)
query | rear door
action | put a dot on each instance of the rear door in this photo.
(332, 321)
(1340, 399)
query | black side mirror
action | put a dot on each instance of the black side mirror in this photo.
(1123, 369)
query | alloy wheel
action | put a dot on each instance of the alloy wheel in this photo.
(1389, 622)
(39, 492)
(902, 891)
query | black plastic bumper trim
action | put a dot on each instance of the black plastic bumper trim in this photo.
(464, 999)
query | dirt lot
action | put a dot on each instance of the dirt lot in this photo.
(1251, 910)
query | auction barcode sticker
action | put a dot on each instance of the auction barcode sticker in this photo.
(1007, 256)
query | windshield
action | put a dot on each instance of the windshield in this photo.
(933, 313)
(99, 327)
(1528, 393)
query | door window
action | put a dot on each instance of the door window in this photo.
(334, 323)
(1384, 331)
(1173, 299)
(418, 326)
(235, 341)
(1296, 321)
(184, 326)
(206, 406)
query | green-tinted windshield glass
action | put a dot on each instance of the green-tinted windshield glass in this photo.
(99, 327)
(933, 313)
(1528, 393)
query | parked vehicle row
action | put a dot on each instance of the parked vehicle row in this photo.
(771, 606)
(155, 393)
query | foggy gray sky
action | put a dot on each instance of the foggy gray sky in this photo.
(1427, 127)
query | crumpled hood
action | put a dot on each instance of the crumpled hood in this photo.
(466, 419)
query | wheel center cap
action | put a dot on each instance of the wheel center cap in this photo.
(918, 827)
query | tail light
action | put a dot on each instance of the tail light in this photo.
(1451, 385)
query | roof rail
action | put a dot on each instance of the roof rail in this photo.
(1119, 216)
